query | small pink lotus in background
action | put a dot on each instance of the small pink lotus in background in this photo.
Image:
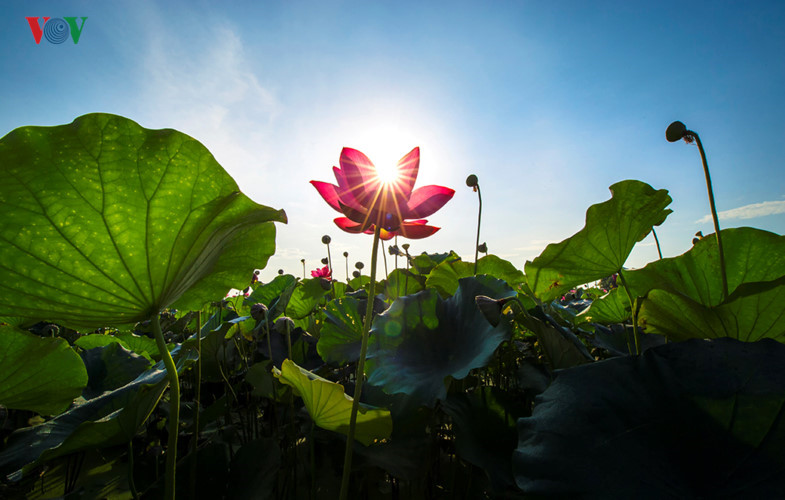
(233, 292)
(366, 198)
(323, 272)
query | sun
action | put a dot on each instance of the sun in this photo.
(388, 172)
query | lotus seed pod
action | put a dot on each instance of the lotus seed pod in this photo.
(280, 271)
(326, 239)
(483, 247)
(356, 274)
(359, 265)
(471, 181)
(324, 261)
(282, 323)
(405, 246)
(675, 131)
(258, 311)
(346, 254)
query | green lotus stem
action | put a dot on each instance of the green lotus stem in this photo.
(714, 216)
(174, 407)
(471, 181)
(269, 344)
(195, 446)
(677, 130)
(131, 484)
(634, 315)
(347, 460)
(657, 241)
(384, 256)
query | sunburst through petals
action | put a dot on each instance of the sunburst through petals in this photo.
(368, 196)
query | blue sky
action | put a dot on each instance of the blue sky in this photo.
(549, 103)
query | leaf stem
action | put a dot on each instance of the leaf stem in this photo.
(634, 314)
(657, 241)
(347, 460)
(195, 446)
(479, 219)
(714, 216)
(174, 407)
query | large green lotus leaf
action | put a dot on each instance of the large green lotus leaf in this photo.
(275, 295)
(105, 222)
(751, 313)
(444, 277)
(342, 330)
(424, 263)
(110, 367)
(601, 248)
(403, 282)
(144, 346)
(683, 295)
(613, 307)
(330, 408)
(695, 419)
(306, 298)
(43, 375)
(422, 339)
(107, 420)
(751, 255)
(562, 348)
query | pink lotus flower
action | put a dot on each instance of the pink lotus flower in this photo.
(364, 198)
(322, 273)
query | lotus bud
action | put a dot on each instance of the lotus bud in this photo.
(483, 248)
(284, 324)
(676, 131)
(258, 311)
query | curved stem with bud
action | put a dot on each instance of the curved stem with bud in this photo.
(677, 130)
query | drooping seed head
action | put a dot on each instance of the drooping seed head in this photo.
(324, 261)
(675, 131)
(471, 181)
(258, 311)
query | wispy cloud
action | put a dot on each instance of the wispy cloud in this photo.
(208, 87)
(749, 211)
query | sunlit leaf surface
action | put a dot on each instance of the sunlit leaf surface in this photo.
(43, 375)
(105, 222)
(330, 408)
(601, 248)
(684, 293)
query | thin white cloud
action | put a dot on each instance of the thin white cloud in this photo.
(751, 211)
(208, 88)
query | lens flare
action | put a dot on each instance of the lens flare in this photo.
(388, 174)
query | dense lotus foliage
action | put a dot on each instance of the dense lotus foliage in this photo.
(121, 353)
